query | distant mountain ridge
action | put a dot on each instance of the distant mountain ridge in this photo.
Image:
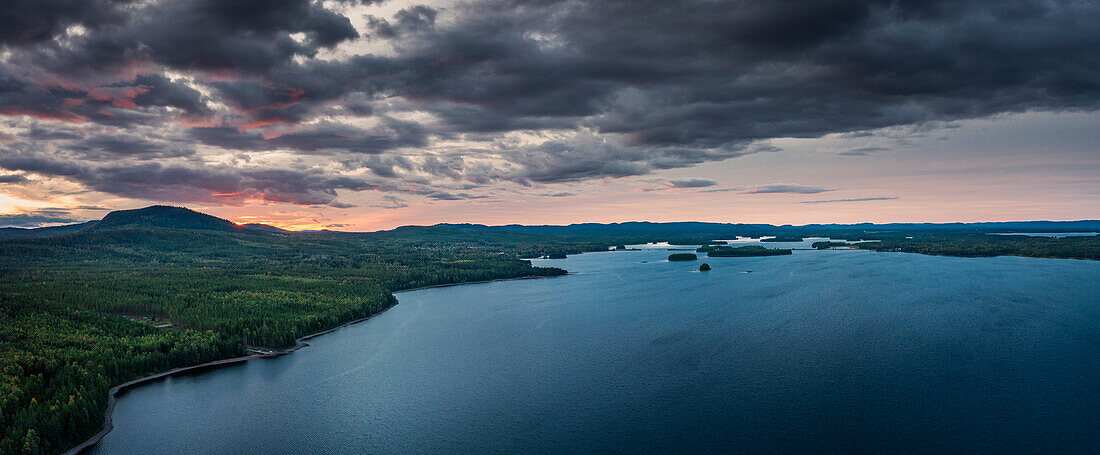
(170, 217)
(706, 228)
(265, 227)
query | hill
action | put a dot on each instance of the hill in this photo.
(163, 216)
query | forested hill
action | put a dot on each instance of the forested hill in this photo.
(162, 216)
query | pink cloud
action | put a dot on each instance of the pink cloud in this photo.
(118, 96)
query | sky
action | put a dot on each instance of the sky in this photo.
(372, 114)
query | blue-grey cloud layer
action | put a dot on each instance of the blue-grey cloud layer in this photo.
(635, 86)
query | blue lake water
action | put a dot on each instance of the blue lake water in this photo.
(835, 351)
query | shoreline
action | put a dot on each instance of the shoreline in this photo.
(112, 394)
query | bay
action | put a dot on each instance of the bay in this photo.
(833, 351)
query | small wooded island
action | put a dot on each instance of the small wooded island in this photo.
(719, 251)
(830, 244)
(682, 257)
(783, 238)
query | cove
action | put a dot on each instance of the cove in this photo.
(833, 351)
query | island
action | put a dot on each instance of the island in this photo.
(783, 238)
(745, 251)
(830, 244)
(682, 257)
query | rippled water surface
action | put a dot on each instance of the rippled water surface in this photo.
(821, 351)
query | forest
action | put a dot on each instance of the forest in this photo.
(682, 257)
(984, 245)
(718, 251)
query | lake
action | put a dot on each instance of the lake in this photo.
(833, 351)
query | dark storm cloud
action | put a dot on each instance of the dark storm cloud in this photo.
(707, 74)
(786, 189)
(249, 35)
(692, 81)
(607, 89)
(157, 90)
(116, 146)
(409, 20)
(319, 138)
(24, 22)
(109, 144)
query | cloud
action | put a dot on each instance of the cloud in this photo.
(391, 203)
(38, 218)
(785, 189)
(24, 22)
(503, 91)
(13, 179)
(320, 138)
(691, 183)
(863, 151)
(414, 19)
(862, 199)
(180, 183)
(115, 146)
(445, 196)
